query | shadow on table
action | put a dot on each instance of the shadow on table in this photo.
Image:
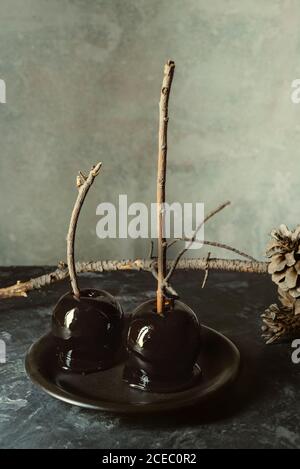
(247, 388)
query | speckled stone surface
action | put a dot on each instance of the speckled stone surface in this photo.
(260, 410)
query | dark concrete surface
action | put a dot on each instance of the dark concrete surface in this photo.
(261, 409)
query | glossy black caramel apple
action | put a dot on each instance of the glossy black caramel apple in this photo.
(88, 330)
(163, 349)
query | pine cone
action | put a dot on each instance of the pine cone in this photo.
(288, 301)
(279, 324)
(284, 253)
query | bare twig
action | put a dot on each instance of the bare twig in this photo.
(153, 271)
(151, 249)
(192, 239)
(206, 271)
(161, 180)
(169, 291)
(229, 248)
(83, 183)
(220, 245)
(217, 245)
(61, 273)
(174, 241)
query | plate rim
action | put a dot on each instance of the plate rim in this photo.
(183, 401)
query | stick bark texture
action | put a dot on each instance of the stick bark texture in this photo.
(61, 273)
(84, 184)
(161, 180)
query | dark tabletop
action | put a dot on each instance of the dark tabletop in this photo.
(260, 410)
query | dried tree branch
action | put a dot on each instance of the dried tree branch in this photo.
(206, 271)
(217, 245)
(210, 243)
(83, 183)
(229, 248)
(192, 239)
(151, 250)
(174, 241)
(161, 181)
(61, 273)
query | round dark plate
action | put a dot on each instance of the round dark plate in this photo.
(106, 391)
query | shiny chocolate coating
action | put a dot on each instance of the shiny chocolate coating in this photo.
(88, 330)
(163, 349)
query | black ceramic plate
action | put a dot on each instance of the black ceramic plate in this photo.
(105, 390)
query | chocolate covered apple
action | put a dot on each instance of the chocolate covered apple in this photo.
(87, 323)
(164, 339)
(163, 348)
(88, 330)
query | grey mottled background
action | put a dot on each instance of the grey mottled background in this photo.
(83, 82)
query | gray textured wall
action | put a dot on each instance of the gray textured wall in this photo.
(83, 80)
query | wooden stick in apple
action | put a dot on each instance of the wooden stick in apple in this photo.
(161, 180)
(84, 184)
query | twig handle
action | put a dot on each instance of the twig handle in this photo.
(83, 183)
(161, 180)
